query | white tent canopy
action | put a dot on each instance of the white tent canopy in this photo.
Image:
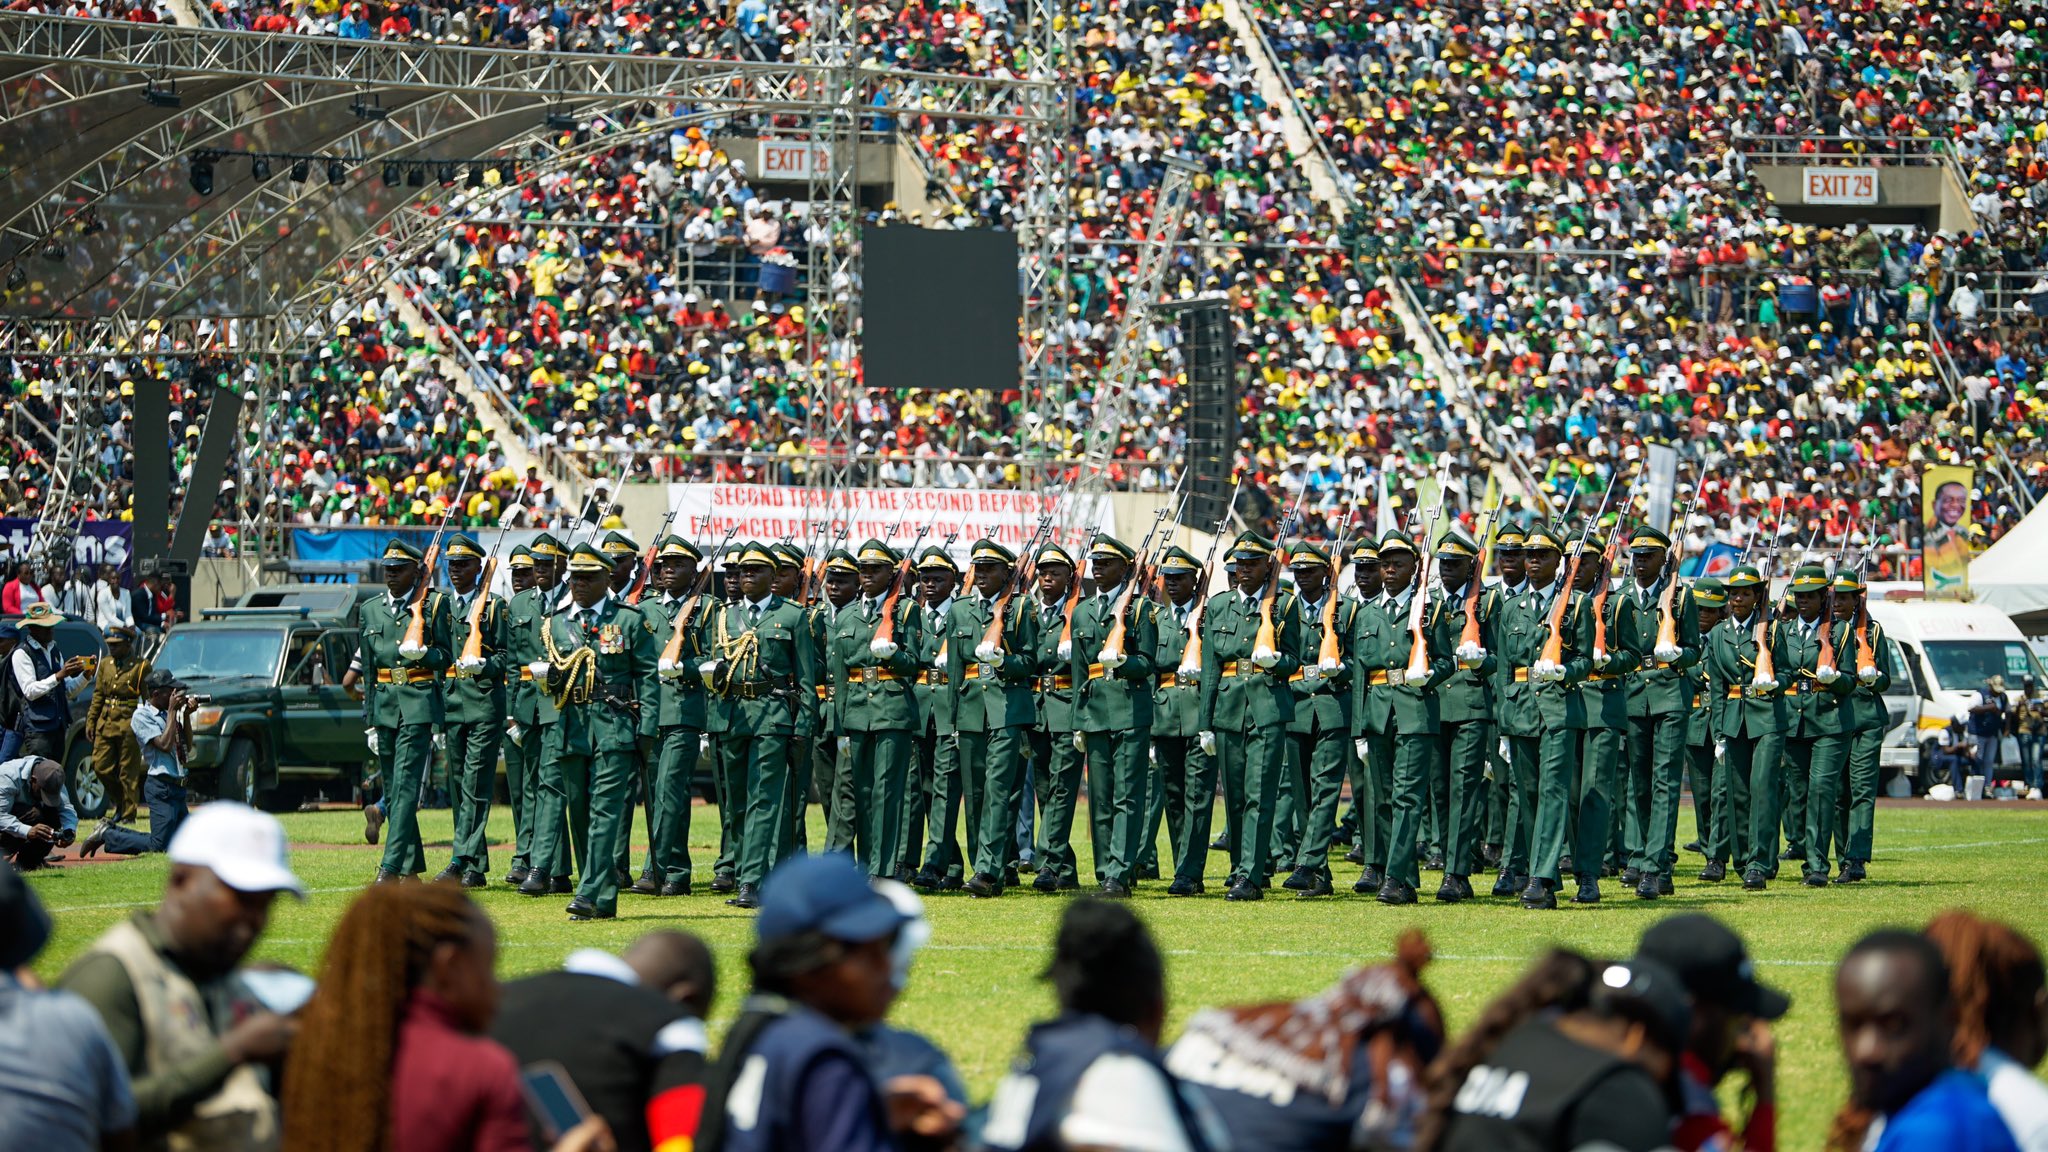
(2012, 575)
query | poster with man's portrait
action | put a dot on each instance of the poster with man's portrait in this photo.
(1945, 531)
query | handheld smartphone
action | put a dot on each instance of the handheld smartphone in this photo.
(553, 1097)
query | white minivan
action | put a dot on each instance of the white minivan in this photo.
(1946, 650)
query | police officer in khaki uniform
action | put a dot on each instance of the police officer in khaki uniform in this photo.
(116, 692)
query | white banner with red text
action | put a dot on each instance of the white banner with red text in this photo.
(804, 515)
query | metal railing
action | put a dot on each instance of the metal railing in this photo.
(1818, 150)
(1341, 182)
(2003, 467)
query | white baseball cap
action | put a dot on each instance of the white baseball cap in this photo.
(242, 846)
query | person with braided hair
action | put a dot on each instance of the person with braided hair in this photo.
(393, 1055)
(2001, 994)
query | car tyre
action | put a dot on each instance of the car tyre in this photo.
(88, 794)
(241, 774)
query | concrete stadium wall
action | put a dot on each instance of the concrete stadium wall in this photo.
(1925, 194)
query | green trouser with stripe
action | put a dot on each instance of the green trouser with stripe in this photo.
(1187, 781)
(1372, 791)
(1825, 759)
(522, 790)
(1315, 762)
(1436, 825)
(1746, 798)
(881, 764)
(833, 779)
(920, 791)
(1056, 779)
(1857, 810)
(761, 820)
(1599, 783)
(1518, 848)
(675, 772)
(403, 754)
(1250, 763)
(585, 796)
(1557, 757)
(1656, 770)
(473, 770)
(639, 794)
(1800, 752)
(1116, 801)
(1414, 764)
(1462, 746)
(951, 791)
(992, 776)
(1699, 779)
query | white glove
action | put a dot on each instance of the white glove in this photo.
(1066, 650)
(1720, 748)
(987, 652)
(371, 733)
(516, 734)
(668, 669)
(539, 668)
(1506, 757)
(1546, 672)
(1110, 661)
(412, 651)
(1363, 747)
(882, 649)
(1080, 741)
(440, 742)
(939, 661)
(1265, 657)
(1601, 660)
(1189, 671)
(1311, 674)
(1867, 676)
(845, 742)
(704, 745)
(1206, 741)
(708, 670)
(1767, 685)
(1470, 656)
(1330, 667)
(1666, 653)
(1827, 674)
(470, 664)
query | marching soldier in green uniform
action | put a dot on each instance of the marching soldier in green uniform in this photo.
(475, 707)
(1319, 736)
(1507, 560)
(1406, 711)
(1372, 712)
(789, 584)
(519, 784)
(1464, 710)
(1365, 573)
(1596, 829)
(534, 712)
(1863, 717)
(600, 669)
(1055, 765)
(624, 557)
(760, 666)
(1113, 678)
(1752, 731)
(116, 693)
(872, 672)
(831, 773)
(403, 703)
(1185, 775)
(1660, 707)
(992, 672)
(623, 554)
(1708, 600)
(1814, 747)
(677, 619)
(1546, 760)
(1250, 646)
(934, 783)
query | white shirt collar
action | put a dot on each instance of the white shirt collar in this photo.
(761, 605)
(594, 962)
(576, 609)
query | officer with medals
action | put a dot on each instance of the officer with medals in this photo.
(1464, 709)
(1659, 712)
(761, 666)
(1319, 736)
(874, 662)
(676, 617)
(402, 649)
(600, 669)
(1111, 654)
(534, 717)
(1709, 600)
(1055, 764)
(991, 670)
(475, 708)
(934, 783)
(1752, 732)
(1815, 749)
(1184, 775)
(1864, 717)
(1251, 644)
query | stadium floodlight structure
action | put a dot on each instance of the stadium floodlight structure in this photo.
(88, 130)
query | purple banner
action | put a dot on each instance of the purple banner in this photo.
(96, 542)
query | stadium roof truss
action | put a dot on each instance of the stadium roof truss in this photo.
(101, 123)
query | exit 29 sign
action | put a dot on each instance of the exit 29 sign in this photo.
(1841, 185)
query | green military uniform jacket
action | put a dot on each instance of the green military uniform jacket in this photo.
(1529, 707)
(1607, 691)
(1862, 708)
(1731, 661)
(1326, 705)
(1176, 704)
(479, 697)
(1811, 706)
(1467, 693)
(625, 704)
(1657, 689)
(1236, 692)
(116, 693)
(1119, 701)
(682, 700)
(936, 704)
(1055, 676)
(398, 692)
(1001, 693)
(1703, 704)
(871, 694)
(1367, 622)
(767, 671)
(1394, 703)
(525, 614)
(818, 620)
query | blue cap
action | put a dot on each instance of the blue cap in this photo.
(828, 894)
(10, 631)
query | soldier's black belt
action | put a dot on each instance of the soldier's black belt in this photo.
(756, 689)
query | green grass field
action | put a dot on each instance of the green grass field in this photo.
(976, 987)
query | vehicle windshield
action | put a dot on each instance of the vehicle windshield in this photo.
(1964, 665)
(218, 653)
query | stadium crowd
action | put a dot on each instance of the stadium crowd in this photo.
(158, 1033)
